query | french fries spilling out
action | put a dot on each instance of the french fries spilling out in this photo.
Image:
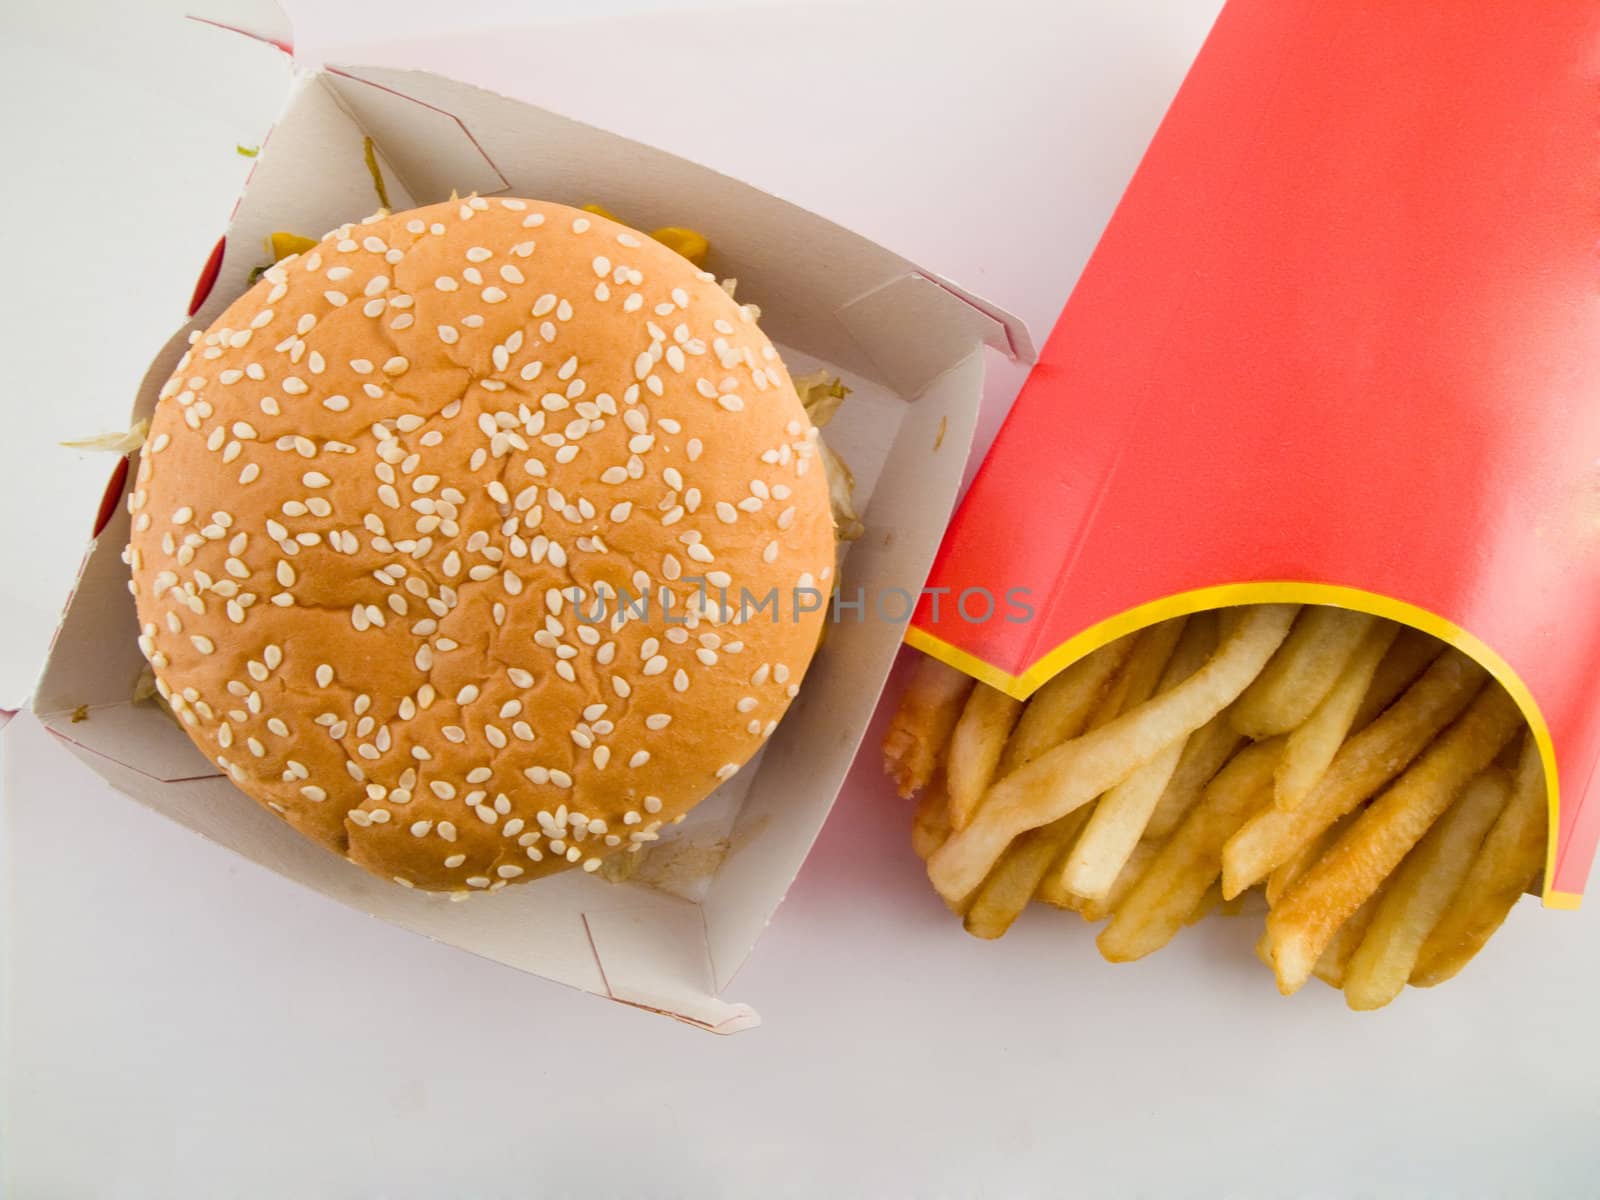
(1377, 787)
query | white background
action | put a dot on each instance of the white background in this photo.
(179, 1023)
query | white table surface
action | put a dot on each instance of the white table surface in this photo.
(179, 1023)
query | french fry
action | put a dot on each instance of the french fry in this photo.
(1310, 914)
(1051, 893)
(1418, 893)
(922, 725)
(1176, 880)
(1233, 907)
(1050, 890)
(1075, 772)
(1062, 708)
(1302, 672)
(1136, 679)
(1120, 817)
(1413, 653)
(1204, 754)
(1335, 960)
(1363, 765)
(1099, 910)
(1209, 903)
(1285, 874)
(1512, 856)
(931, 823)
(975, 748)
(1008, 888)
(1313, 744)
(1141, 674)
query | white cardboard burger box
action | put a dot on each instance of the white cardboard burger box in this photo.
(908, 343)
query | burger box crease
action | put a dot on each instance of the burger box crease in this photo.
(908, 344)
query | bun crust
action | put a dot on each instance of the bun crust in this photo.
(378, 489)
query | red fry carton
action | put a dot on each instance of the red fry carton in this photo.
(1340, 344)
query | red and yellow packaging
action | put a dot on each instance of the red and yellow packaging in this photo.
(1340, 344)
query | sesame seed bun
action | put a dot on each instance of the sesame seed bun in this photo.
(377, 490)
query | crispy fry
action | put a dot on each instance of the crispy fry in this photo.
(1302, 672)
(1120, 817)
(1076, 772)
(1286, 873)
(1140, 675)
(931, 824)
(1335, 960)
(1009, 887)
(975, 746)
(1063, 707)
(1419, 891)
(921, 726)
(1306, 919)
(1177, 878)
(1512, 856)
(1204, 754)
(1363, 765)
(1314, 743)
(1413, 653)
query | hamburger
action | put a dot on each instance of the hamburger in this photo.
(445, 536)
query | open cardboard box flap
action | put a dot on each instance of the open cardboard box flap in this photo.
(908, 343)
